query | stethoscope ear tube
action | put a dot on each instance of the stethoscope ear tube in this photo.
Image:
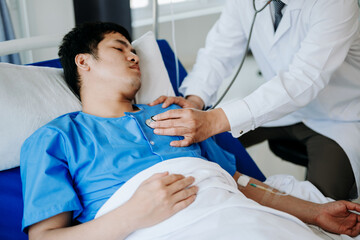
(243, 58)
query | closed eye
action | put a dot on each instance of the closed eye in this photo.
(119, 49)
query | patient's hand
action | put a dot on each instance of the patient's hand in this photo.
(335, 217)
(160, 197)
(190, 102)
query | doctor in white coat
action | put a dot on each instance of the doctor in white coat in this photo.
(312, 67)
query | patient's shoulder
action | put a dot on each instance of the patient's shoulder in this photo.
(60, 124)
(62, 120)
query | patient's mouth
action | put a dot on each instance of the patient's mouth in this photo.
(135, 67)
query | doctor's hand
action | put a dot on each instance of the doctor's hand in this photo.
(336, 217)
(191, 101)
(159, 197)
(194, 125)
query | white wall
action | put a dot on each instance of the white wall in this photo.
(49, 17)
(44, 17)
(190, 35)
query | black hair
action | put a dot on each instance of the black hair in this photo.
(84, 39)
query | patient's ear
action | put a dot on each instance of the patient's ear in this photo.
(82, 61)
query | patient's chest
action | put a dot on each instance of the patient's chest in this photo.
(109, 151)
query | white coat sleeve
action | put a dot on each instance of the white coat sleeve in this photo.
(224, 48)
(333, 25)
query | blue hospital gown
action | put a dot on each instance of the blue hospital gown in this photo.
(77, 161)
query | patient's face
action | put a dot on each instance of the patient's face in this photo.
(117, 66)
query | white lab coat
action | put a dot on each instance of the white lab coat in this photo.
(311, 64)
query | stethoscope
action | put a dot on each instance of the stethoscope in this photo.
(246, 50)
(150, 120)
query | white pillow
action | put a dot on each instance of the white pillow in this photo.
(154, 77)
(29, 97)
(32, 96)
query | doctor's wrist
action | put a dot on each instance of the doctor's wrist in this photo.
(218, 121)
(196, 101)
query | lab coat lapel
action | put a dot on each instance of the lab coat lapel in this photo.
(264, 20)
(292, 12)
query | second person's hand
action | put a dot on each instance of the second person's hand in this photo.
(194, 125)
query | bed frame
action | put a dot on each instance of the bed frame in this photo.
(11, 202)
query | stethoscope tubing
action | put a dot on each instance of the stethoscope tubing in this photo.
(246, 50)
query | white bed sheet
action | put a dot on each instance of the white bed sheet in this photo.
(220, 210)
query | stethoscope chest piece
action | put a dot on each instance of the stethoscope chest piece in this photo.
(149, 121)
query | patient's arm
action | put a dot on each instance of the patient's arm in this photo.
(156, 199)
(333, 217)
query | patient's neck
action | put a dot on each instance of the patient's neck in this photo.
(107, 106)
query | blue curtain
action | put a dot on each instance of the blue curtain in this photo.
(7, 32)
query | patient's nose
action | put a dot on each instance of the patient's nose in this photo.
(133, 58)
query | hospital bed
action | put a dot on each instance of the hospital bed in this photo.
(10, 183)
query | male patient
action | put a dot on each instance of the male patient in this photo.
(72, 165)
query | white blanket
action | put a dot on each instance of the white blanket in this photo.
(220, 210)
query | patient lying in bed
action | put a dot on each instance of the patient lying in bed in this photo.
(76, 163)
